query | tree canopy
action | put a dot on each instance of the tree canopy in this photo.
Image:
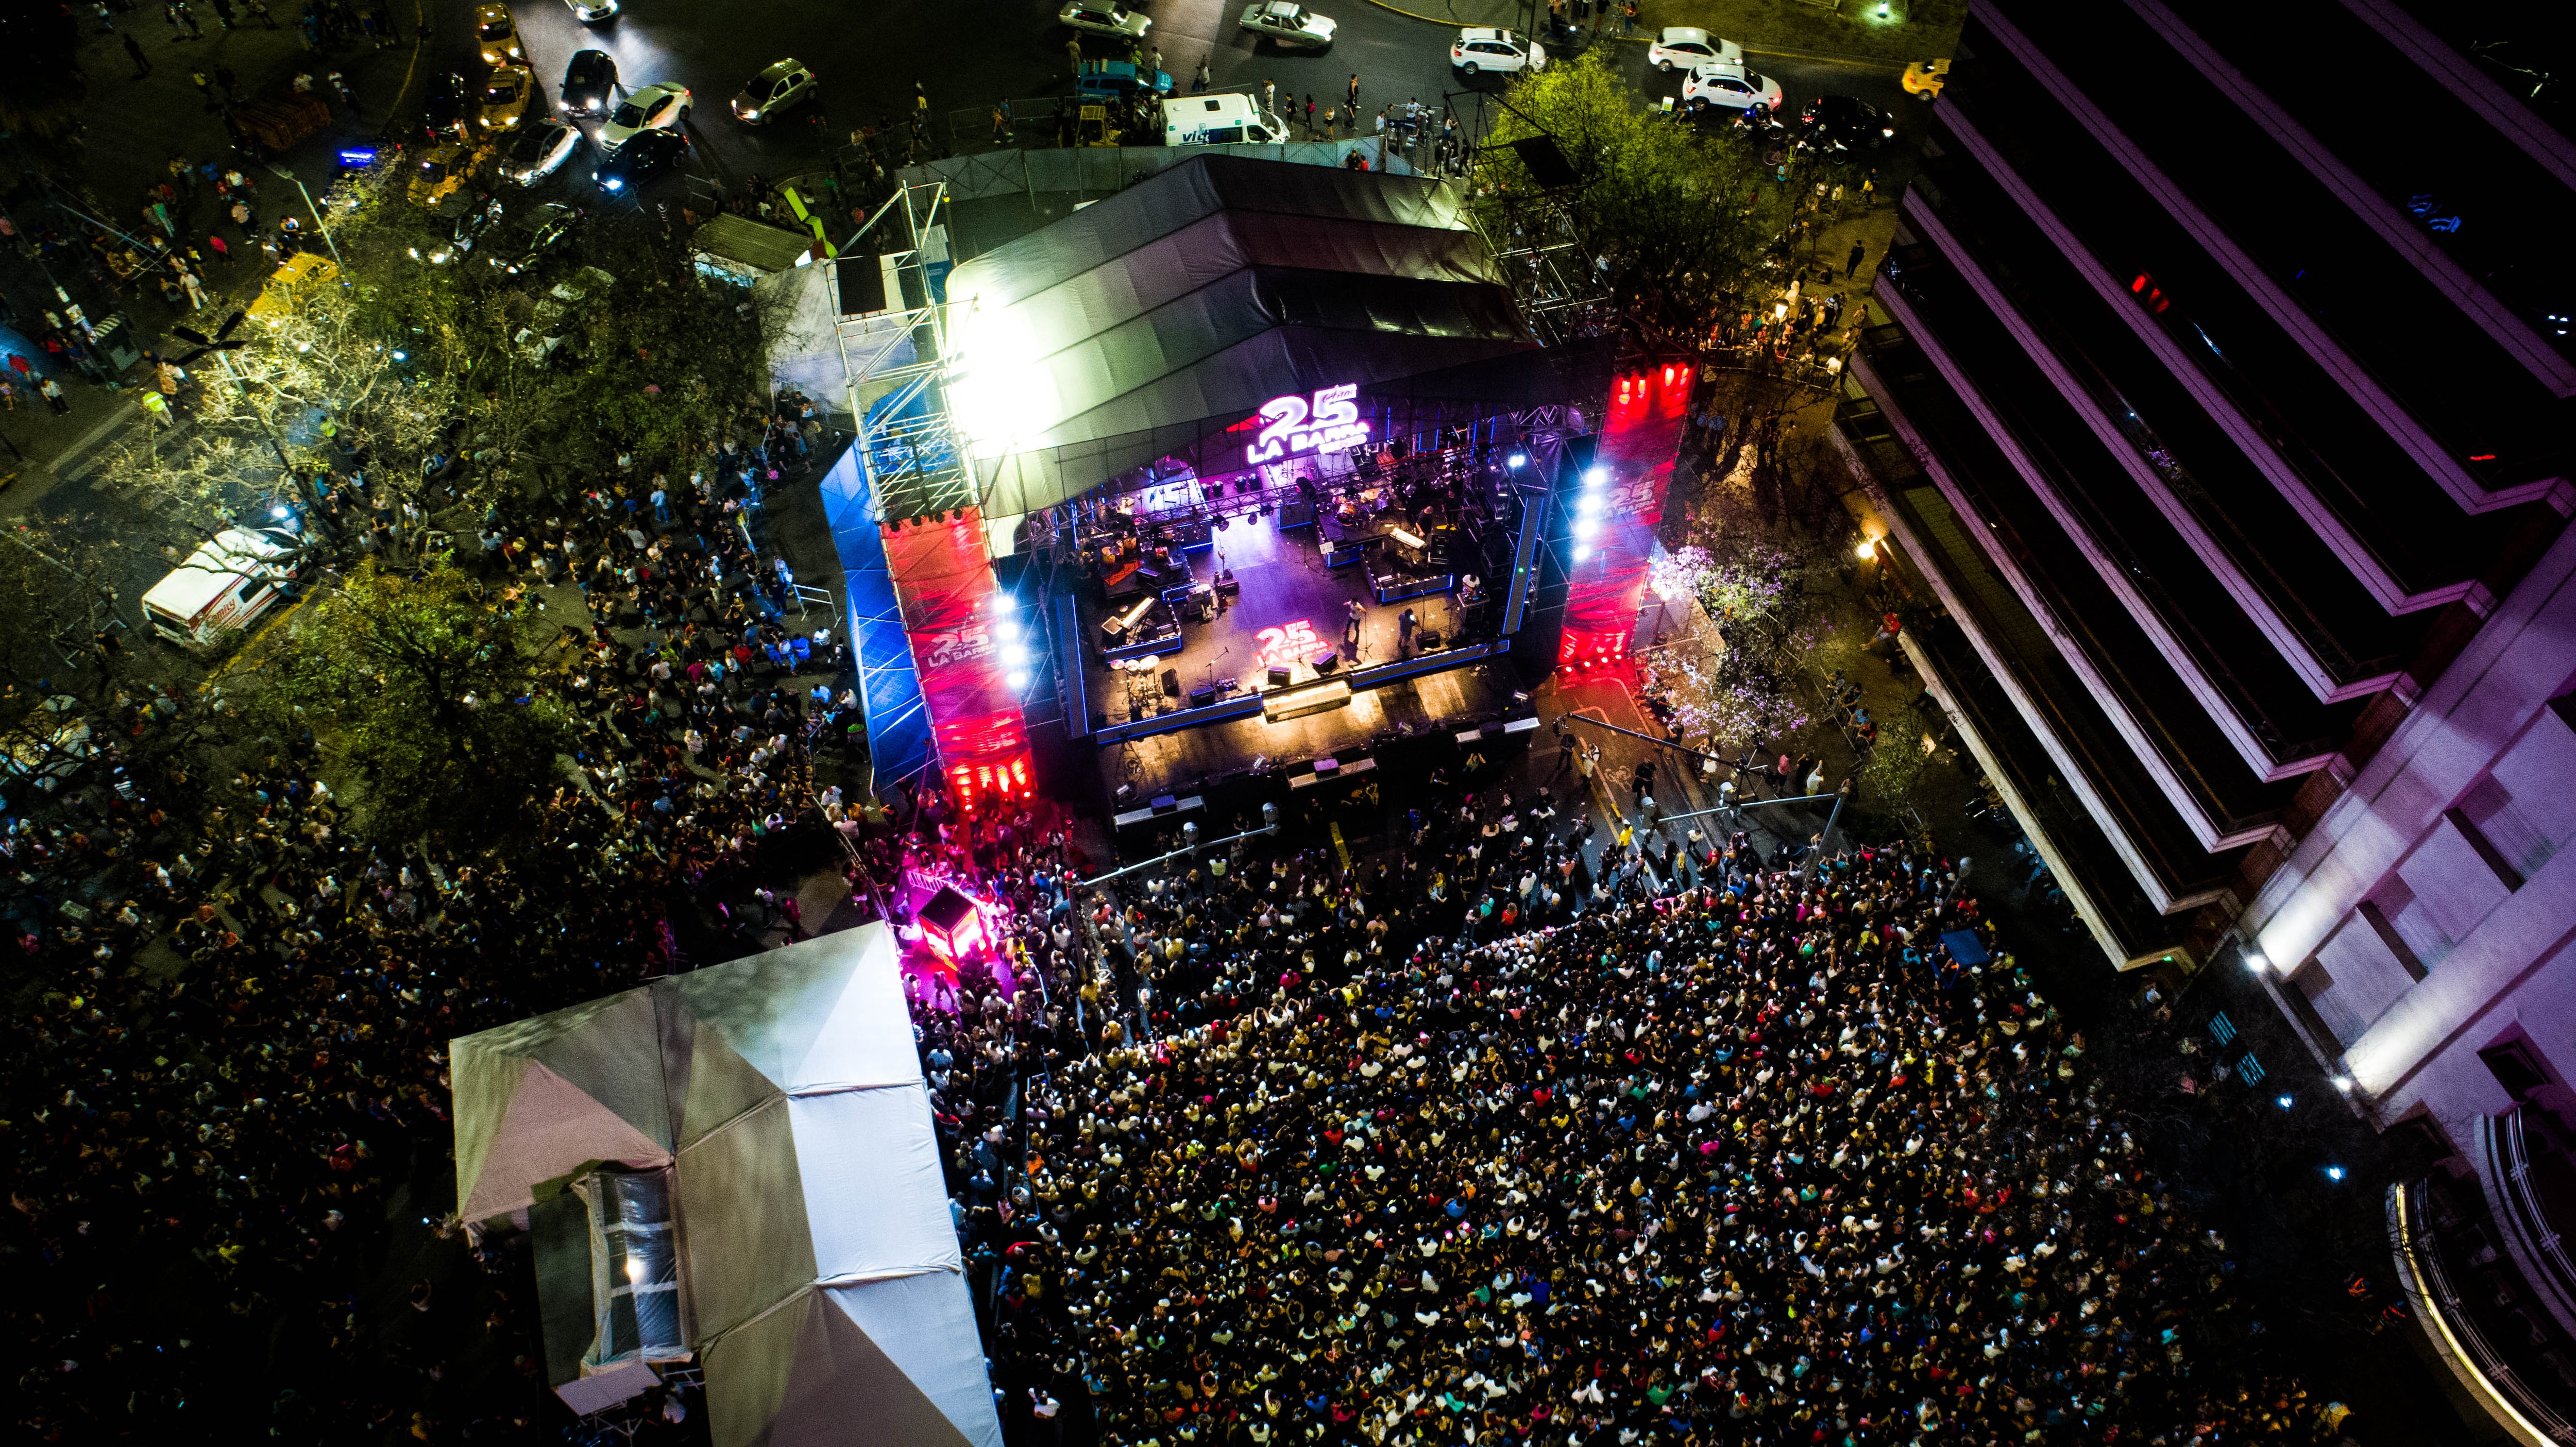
(1676, 211)
(426, 697)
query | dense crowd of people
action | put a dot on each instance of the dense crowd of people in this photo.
(229, 1071)
(1708, 1152)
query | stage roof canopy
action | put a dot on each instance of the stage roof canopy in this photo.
(775, 1108)
(1173, 310)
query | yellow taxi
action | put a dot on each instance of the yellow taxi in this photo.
(503, 101)
(297, 276)
(1924, 78)
(498, 34)
(443, 171)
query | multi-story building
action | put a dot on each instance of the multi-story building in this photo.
(2223, 410)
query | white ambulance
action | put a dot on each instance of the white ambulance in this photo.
(226, 584)
(1226, 119)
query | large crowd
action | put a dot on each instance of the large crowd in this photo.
(225, 1091)
(1519, 1129)
(1709, 1152)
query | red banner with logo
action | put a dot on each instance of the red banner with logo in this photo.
(943, 581)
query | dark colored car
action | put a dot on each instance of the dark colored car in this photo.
(589, 83)
(450, 100)
(645, 155)
(550, 227)
(1833, 124)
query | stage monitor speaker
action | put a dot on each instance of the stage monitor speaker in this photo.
(1203, 696)
(1165, 803)
(1278, 678)
(1429, 638)
(1172, 682)
(1328, 663)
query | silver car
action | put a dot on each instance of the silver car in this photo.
(1288, 23)
(773, 90)
(1108, 19)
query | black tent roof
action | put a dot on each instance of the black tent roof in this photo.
(1141, 324)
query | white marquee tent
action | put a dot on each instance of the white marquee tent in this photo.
(778, 1106)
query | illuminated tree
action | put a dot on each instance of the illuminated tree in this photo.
(428, 701)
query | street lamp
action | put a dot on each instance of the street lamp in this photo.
(325, 226)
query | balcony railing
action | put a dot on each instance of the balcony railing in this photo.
(2446, 1317)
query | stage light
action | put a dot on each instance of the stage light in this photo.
(1007, 627)
(2343, 1083)
(1587, 528)
(1867, 550)
(2284, 1101)
(1591, 504)
(1015, 655)
(2334, 1173)
(1517, 459)
(1596, 477)
(1005, 603)
(1018, 680)
(1581, 552)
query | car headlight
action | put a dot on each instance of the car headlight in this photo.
(752, 114)
(614, 184)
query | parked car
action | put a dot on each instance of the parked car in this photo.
(1287, 23)
(591, 12)
(471, 230)
(589, 83)
(446, 103)
(549, 228)
(644, 156)
(1839, 123)
(443, 171)
(50, 744)
(1727, 85)
(504, 101)
(1099, 19)
(497, 33)
(785, 84)
(1482, 48)
(1686, 47)
(1102, 79)
(656, 107)
(558, 313)
(539, 150)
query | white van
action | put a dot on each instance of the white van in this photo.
(227, 583)
(1218, 120)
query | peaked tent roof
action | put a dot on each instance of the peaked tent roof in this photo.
(784, 1093)
(1172, 310)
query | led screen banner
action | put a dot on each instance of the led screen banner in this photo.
(1619, 504)
(943, 581)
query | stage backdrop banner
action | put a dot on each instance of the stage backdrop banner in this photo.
(1640, 438)
(943, 580)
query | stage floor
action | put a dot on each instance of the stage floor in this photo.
(1185, 760)
(1290, 608)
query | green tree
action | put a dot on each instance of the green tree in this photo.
(427, 699)
(1679, 213)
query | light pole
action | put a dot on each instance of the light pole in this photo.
(324, 226)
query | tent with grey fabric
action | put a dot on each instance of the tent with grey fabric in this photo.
(735, 1168)
(1158, 318)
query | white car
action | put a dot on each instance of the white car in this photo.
(659, 107)
(1481, 48)
(540, 151)
(1684, 47)
(1728, 85)
(1104, 19)
(591, 12)
(1288, 23)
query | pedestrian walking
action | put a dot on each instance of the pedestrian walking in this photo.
(244, 221)
(205, 87)
(1354, 96)
(224, 13)
(1199, 83)
(1073, 52)
(222, 252)
(340, 87)
(54, 398)
(1310, 113)
(1851, 263)
(142, 62)
(188, 18)
(1269, 97)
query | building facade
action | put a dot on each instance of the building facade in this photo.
(2219, 424)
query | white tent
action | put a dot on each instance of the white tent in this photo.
(818, 1274)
